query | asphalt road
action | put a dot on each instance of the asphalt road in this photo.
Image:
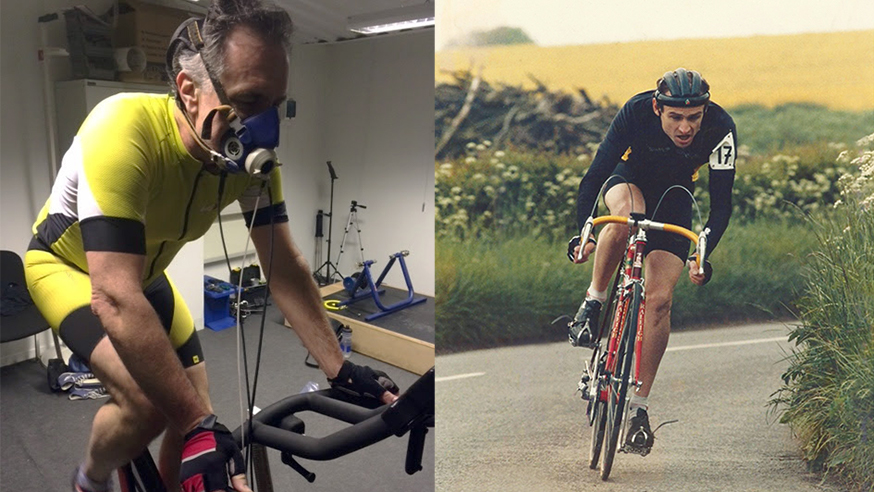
(509, 420)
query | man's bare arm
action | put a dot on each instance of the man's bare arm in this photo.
(297, 296)
(139, 338)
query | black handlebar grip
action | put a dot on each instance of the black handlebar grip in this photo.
(416, 401)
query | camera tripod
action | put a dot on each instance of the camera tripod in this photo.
(353, 219)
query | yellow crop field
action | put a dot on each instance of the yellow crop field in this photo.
(832, 69)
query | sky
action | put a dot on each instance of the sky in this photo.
(573, 22)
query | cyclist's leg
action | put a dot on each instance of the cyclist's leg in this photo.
(622, 199)
(663, 269)
(170, 305)
(666, 258)
(127, 422)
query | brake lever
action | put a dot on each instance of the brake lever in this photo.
(701, 248)
(584, 236)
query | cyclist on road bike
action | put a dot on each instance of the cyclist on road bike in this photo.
(144, 175)
(658, 139)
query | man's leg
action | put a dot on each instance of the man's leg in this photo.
(125, 425)
(621, 200)
(663, 269)
(171, 447)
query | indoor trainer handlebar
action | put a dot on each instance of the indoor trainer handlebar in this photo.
(276, 426)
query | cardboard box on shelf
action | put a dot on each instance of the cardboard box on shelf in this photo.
(148, 27)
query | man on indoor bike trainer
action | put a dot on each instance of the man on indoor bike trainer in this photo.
(658, 139)
(145, 175)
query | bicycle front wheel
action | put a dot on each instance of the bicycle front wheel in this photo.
(617, 386)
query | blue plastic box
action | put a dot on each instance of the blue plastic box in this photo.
(217, 304)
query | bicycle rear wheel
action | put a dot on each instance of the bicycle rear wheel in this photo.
(617, 386)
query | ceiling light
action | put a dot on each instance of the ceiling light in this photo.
(409, 17)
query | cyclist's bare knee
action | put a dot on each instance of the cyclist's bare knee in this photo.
(135, 408)
(658, 304)
(623, 199)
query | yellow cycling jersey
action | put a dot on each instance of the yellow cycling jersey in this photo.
(128, 184)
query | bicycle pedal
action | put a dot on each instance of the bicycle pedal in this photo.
(632, 449)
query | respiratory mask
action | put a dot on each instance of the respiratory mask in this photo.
(249, 144)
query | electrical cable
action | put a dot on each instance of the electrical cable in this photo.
(266, 291)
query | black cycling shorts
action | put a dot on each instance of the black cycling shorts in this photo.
(675, 208)
(62, 292)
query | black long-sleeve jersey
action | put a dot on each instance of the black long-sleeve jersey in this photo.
(636, 137)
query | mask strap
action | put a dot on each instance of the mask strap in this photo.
(197, 41)
(215, 157)
(206, 132)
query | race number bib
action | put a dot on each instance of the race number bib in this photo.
(722, 157)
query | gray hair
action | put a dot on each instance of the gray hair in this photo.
(271, 23)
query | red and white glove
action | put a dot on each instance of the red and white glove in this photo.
(210, 457)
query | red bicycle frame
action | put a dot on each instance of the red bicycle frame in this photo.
(632, 275)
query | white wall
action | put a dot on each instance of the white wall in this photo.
(24, 162)
(380, 138)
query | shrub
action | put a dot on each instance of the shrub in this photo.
(828, 392)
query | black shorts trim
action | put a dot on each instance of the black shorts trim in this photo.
(113, 234)
(82, 330)
(191, 352)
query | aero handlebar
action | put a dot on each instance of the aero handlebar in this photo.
(700, 240)
(276, 427)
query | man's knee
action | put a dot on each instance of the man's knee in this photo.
(198, 377)
(624, 199)
(658, 303)
(134, 406)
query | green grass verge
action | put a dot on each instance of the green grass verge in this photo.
(499, 292)
(828, 392)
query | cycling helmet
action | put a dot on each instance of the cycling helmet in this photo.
(687, 88)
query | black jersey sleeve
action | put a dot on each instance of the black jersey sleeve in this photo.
(722, 171)
(615, 143)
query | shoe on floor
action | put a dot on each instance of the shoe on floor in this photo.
(91, 393)
(81, 379)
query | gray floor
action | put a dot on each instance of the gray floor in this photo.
(43, 435)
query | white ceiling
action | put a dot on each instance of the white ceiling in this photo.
(321, 21)
(318, 21)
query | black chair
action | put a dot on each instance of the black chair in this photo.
(25, 319)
